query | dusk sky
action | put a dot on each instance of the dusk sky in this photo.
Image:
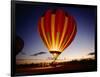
(27, 28)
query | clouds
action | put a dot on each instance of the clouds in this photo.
(92, 53)
(23, 53)
(33, 54)
(39, 53)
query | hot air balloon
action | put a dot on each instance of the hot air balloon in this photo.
(57, 30)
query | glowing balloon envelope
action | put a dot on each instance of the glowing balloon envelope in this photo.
(57, 30)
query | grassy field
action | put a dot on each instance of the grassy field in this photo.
(63, 67)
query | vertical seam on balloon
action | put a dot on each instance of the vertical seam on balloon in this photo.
(53, 29)
(42, 24)
(64, 31)
(69, 37)
(48, 35)
(41, 34)
(57, 40)
(46, 24)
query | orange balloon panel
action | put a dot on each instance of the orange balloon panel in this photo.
(57, 29)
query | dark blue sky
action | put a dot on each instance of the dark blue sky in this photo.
(27, 21)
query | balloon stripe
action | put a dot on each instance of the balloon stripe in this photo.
(53, 30)
(63, 33)
(47, 24)
(57, 40)
(60, 20)
(64, 42)
(43, 31)
(41, 34)
(66, 35)
(68, 31)
(73, 24)
(59, 23)
(47, 20)
(48, 36)
(69, 38)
